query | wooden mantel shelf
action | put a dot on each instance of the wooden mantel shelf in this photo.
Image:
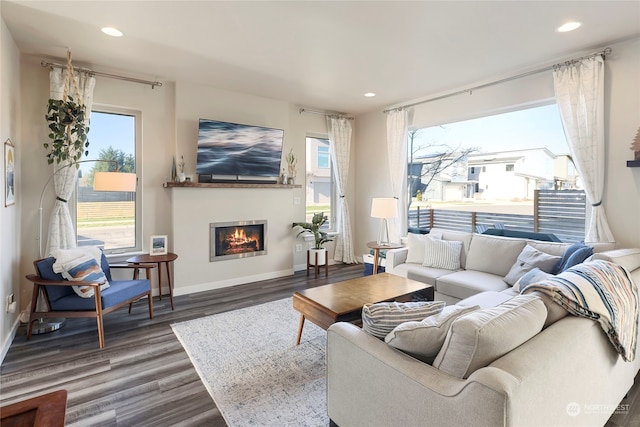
(225, 185)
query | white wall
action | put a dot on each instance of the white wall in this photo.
(622, 113)
(10, 246)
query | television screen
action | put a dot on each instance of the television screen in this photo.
(232, 149)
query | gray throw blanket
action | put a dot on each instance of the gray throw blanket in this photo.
(602, 291)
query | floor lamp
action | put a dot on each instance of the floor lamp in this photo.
(384, 208)
(102, 182)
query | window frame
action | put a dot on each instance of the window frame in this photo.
(332, 182)
(137, 114)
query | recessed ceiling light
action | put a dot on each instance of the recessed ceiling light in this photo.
(113, 32)
(569, 26)
(369, 94)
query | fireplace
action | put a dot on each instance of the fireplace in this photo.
(238, 239)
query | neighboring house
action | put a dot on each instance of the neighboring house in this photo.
(565, 174)
(508, 175)
(512, 175)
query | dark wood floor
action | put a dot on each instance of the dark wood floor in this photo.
(143, 377)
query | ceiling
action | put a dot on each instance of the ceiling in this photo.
(320, 54)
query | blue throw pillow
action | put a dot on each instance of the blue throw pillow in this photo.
(578, 257)
(561, 265)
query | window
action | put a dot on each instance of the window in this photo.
(473, 162)
(320, 183)
(110, 219)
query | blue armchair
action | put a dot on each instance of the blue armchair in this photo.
(62, 301)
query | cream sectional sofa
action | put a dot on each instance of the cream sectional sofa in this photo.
(568, 374)
(485, 260)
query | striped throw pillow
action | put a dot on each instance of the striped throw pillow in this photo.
(444, 254)
(381, 318)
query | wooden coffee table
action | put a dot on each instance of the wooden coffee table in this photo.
(343, 301)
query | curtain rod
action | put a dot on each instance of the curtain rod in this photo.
(603, 53)
(153, 84)
(323, 113)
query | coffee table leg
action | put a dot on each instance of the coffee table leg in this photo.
(300, 329)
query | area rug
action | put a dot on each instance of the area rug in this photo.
(256, 375)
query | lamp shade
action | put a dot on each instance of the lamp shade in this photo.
(384, 207)
(114, 181)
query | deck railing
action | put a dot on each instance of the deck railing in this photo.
(561, 212)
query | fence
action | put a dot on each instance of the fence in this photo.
(561, 212)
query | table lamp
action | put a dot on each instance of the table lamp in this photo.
(384, 208)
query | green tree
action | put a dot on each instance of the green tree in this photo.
(126, 163)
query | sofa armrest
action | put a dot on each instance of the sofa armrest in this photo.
(395, 257)
(370, 383)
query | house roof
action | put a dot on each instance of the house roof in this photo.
(320, 54)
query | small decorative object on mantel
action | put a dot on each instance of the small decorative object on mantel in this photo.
(181, 175)
(635, 147)
(291, 167)
(283, 177)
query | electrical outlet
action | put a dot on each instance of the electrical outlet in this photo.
(296, 200)
(8, 303)
(299, 247)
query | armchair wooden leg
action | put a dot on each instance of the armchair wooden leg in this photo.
(98, 302)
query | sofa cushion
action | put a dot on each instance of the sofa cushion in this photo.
(380, 318)
(415, 248)
(424, 339)
(463, 284)
(486, 299)
(529, 259)
(493, 254)
(421, 274)
(482, 336)
(551, 248)
(444, 254)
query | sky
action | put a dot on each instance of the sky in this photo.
(531, 128)
(109, 130)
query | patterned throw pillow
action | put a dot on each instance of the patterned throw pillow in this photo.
(84, 269)
(381, 318)
(444, 254)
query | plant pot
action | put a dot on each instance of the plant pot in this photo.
(322, 256)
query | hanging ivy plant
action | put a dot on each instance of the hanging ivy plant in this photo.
(68, 132)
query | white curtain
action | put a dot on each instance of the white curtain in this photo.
(340, 130)
(397, 126)
(579, 90)
(61, 230)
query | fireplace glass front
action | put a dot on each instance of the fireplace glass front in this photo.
(239, 239)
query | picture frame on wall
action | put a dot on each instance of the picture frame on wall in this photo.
(9, 173)
(158, 245)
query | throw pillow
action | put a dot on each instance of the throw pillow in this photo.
(415, 248)
(578, 257)
(444, 254)
(529, 259)
(534, 276)
(424, 339)
(568, 252)
(84, 269)
(482, 336)
(381, 318)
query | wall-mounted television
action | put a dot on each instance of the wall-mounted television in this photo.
(231, 151)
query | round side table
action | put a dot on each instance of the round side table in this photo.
(165, 259)
(376, 251)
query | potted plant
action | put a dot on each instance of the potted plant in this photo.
(66, 119)
(319, 237)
